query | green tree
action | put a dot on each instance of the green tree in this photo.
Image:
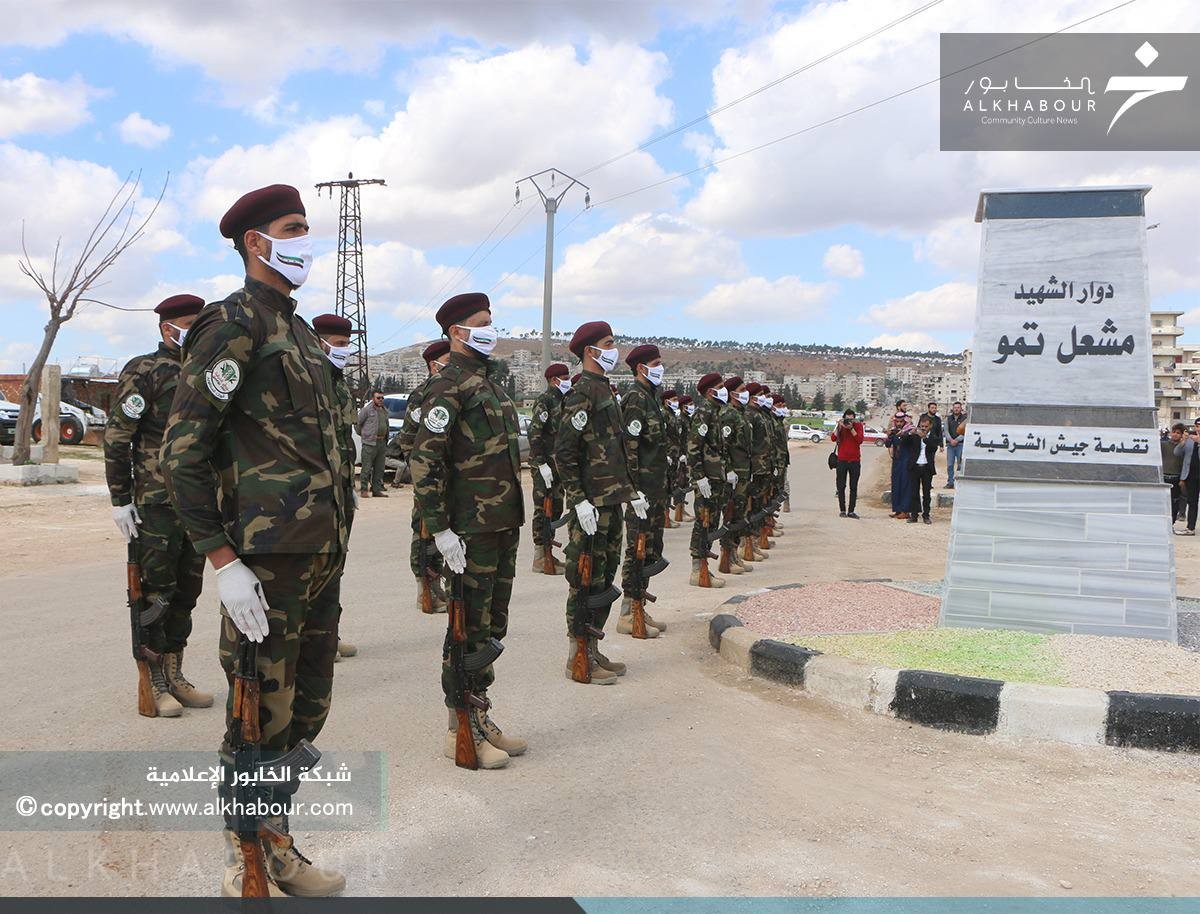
(818, 400)
(839, 402)
(861, 407)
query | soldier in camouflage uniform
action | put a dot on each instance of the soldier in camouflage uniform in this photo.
(670, 405)
(172, 571)
(783, 457)
(707, 458)
(591, 460)
(761, 469)
(735, 431)
(466, 470)
(687, 409)
(334, 332)
(647, 444)
(436, 358)
(543, 426)
(253, 462)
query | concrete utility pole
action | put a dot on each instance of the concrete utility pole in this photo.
(551, 197)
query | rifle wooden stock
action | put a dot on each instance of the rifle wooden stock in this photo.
(762, 538)
(581, 666)
(145, 695)
(705, 577)
(549, 544)
(254, 870)
(142, 655)
(465, 755)
(748, 539)
(426, 598)
(246, 693)
(679, 512)
(637, 606)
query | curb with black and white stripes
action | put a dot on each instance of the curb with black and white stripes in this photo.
(1169, 723)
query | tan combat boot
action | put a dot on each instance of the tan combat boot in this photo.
(734, 567)
(539, 563)
(513, 745)
(599, 660)
(625, 620)
(488, 755)
(759, 555)
(600, 675)
(165, 703)
(739, 562)
(346, 649)
(295, 873)
(650, 620)
(694, 580)
(235, 866)
(184, 692)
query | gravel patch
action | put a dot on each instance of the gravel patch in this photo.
(838, 608)
(1128, 664)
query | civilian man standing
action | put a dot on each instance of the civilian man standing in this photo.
(372, 425)
(918, 450)
(956, 427)
(849, 438)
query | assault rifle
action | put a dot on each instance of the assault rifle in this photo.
(464, 667)
(586, 605)
(430, 577)
(549, 525)
(258, 784)
(641, 577)
(141, 617)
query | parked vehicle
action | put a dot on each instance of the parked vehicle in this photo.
(73, 421)
(797, 431)
(874, 434)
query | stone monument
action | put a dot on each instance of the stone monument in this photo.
(1061, 519)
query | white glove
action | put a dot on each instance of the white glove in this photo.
(703, 487)
(670, 462)
(451, 547)
(547, 476)
(588, 516)
(126, 518)
(731, 478)
(640, 506)
(243, 598)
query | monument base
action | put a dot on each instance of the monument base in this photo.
(1061, 557)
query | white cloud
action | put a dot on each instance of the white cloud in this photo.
(468, 130)
(915, 341)
(845, 261)
(31, 104)
(950, 306)
(15, 357)
(643, 263)
(141, 131)
(756, 298)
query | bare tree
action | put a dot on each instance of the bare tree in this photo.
(112, 235)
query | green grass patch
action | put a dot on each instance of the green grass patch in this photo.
(990, 654)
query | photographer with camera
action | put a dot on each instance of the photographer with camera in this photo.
(848, 435)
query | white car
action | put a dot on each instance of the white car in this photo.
(797, 431)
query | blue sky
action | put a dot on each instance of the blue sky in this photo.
(859, 232)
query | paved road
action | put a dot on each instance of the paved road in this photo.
(685, 778)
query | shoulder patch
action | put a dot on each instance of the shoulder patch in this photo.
(635, 428)
(223, 378)
(437, 419)
(414, 415)
(134, 406)
(703, 429)
(579, 420)
(726, 431)
(543, 416)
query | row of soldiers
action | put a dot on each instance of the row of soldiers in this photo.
(232, 443)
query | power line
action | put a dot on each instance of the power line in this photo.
(537, 251)
(838, 117)
(775, 82)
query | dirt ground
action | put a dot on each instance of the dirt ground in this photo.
(686, 778)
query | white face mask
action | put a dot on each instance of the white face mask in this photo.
(744, 397)
(781, 412)
(181, 333)
(564, 385)
(723, 394)
(435, 367)
(674, 407)
(481, 339)
(607, 357)
(655, 375)
(291, 258)
(338, 355)
(691, 410)
(764, 401)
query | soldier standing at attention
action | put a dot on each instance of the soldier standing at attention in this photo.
(647, 443)
(435, 356)
(334, 333)
(466, 470)
(706, 461)
(543, 426)
(670, 402)
(687, 409)
(172, 571)
(735, 431)
(253, 462)
(761, 453)
(590, 456)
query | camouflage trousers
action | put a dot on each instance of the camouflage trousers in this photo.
(606, 554)
(735, 512)
(487, 590)
(703, 507)
(654, 542)
(759, 495)
(414, 552)
(296, 658)
(539, 497)
(172, 572)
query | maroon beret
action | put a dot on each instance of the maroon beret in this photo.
(764, 390)
(457, 309)
(333, 324)
(712, 379)
(778, 399)
(435, 350)
(668, 394)
(575, 377)
(732, 383)
(685, 399)
(753, 388)
(260, 207)
(178, 306)
(587, 334)
(647, 352)
(556, 370)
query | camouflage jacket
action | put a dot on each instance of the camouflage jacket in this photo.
(672, 426)
(706, 447)
(735, 429)
(412, 419)
(782, 457)
(341, 393)
(762, 448)
(589, 450)
(543, 426)
(465, 459)
(252, 455)
(135, 428)
(647, 440)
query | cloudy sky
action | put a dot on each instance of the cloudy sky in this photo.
(859, 231)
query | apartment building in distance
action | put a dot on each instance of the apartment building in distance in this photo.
(1176, 370)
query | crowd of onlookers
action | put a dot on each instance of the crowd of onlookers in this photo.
(912, 444)
(1181, 471)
